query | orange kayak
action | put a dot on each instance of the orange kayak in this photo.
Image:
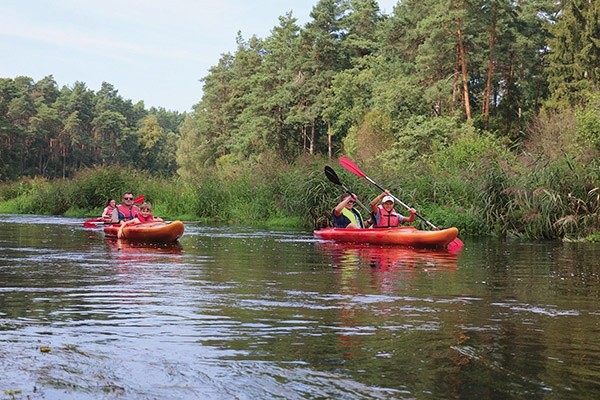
(150, 232)
(403, 236)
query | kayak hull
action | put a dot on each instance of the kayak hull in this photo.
(149, 232)
(402, 236)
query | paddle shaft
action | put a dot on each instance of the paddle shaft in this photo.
(333, 178)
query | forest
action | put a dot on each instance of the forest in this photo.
(484, 114)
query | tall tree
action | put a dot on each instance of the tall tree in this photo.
(278, 83)
(574, 59)
(323, 56)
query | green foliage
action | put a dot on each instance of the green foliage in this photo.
(574, 59)
(54, 133)
(588, 124)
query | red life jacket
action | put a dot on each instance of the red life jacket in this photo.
(127, 214)
(107, 213)
(141, 218)
(387, 220)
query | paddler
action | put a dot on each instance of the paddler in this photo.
(126, 210)
(111, 204)
(344, 215)
(144, 215)
(384, 215)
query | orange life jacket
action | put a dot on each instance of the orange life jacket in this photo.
(387, 219)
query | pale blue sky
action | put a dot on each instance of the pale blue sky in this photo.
(151, 50)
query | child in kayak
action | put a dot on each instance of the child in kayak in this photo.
(384, 215)
(144, 215)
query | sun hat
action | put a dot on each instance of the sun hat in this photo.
(386, 199)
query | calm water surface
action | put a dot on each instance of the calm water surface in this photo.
(240, 313)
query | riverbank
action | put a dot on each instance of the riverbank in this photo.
(482, 196)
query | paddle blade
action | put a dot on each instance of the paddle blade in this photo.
(455, 246)
(139, 200)
(350, 166)
(331, 175)
(93, 223)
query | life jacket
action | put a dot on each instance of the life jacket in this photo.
(387, 219)
(127, 214)
(141, 218)
(107, 213)
(354, 217)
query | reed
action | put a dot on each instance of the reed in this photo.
(474, 189)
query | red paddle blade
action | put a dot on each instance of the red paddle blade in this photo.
(455, 246)
(139, 200)
(350, 166)
(92, 223)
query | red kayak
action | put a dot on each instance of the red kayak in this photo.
(403, 236)
(149, 232)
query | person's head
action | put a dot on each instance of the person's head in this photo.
(350, 202)
(127, 199)
(387, 202)
(146, 208)
(111, 202)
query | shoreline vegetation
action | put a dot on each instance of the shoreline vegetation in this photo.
(467, 185)
(480, 115)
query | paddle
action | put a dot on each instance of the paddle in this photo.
(352, 167)
(332, 176)
(139, 200)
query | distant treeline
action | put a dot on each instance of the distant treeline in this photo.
(51, 132)
(484, 114)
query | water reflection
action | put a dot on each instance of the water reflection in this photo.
(388, 257)
(136, 248)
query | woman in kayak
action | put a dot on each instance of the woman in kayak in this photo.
(111, 204)
(144, 215)
(384, 215)
(344, 215)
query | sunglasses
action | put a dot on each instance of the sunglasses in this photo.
(127, 198)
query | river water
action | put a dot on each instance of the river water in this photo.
(242, 313)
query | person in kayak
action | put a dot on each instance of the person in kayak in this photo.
(111, 204)
(384, 215)
(126, 210)
(144, 215)
(344, 215)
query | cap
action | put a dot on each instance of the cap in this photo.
(386, 199)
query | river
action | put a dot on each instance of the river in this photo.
(244, 313)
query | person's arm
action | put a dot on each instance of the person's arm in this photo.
(376, 201)
(338, 209)
(412, 213)
(125, 223)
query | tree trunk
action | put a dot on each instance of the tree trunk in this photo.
(280, 139)
(313, 133)
(304, 138)
(465, 76)
(488, 84)
(329, 149)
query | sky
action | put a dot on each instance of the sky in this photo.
(152, 50)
